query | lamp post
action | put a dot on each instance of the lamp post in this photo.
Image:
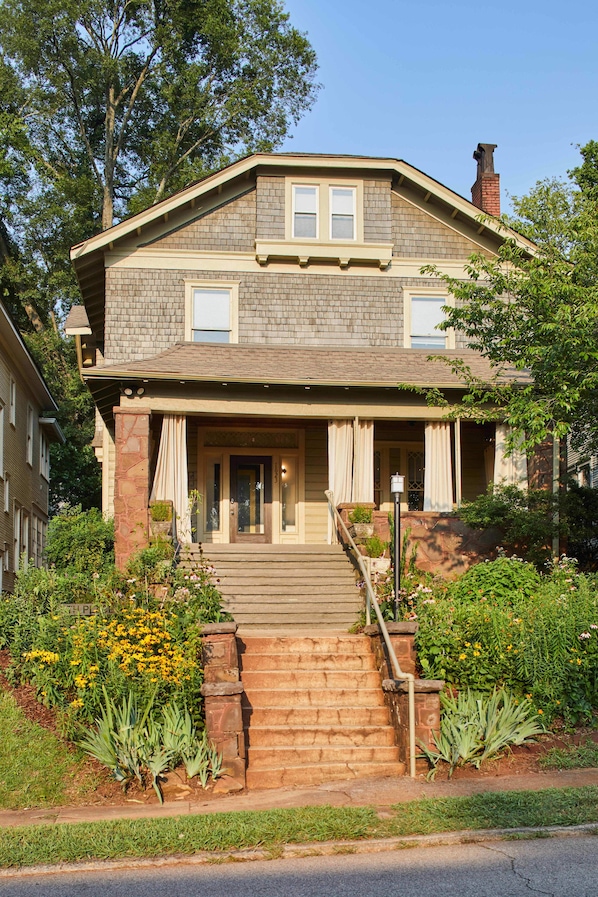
(397, 485)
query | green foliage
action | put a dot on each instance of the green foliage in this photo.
(375, 546)
(500, 582)
(543, 646)
(80, 541)
(359, 514)
(525, 518)
(140, 743)
(160, 511)
(579, 756)
(475, 728)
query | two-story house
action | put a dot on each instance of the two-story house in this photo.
(253, 337)
(27, 428)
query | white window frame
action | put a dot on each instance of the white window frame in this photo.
(353, 191)
(16, 534)
(233, 289)
(12, 400)
(316, 188)
(324, 187)
(44, 456)
(30, 437)
(424, 293)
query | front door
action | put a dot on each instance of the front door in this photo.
(251, 498)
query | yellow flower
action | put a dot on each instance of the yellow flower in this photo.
(540, 711)
(77, 703)
(462, 656)
(476, 653)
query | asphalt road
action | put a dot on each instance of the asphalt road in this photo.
(559, 867)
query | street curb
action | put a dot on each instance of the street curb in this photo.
(312, 849)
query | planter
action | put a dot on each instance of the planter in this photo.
(361, 531)
(161, 528)
(380, 565)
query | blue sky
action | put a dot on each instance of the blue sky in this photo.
(427, 82)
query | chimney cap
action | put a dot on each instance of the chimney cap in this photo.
(484, 156)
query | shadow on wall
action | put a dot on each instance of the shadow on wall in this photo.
(445, 545)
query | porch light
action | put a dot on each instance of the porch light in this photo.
(397, 486)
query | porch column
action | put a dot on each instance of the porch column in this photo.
(131, 483)
(438, 475)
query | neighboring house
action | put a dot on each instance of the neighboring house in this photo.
(251, 337)
(27, 428)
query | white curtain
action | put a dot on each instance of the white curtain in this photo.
(363, 461)
(511, 470)
(340, 459)
(170, 481)
(438, 475)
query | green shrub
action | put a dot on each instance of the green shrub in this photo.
(525, 519)
(161, 511)
(499, 581)
(359, 514)
(375, 546)
(544, 646)
(80, 541)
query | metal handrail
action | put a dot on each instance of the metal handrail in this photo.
(373, 602)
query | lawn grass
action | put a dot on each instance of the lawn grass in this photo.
(582, 756)
(271, 829)
(36, 768)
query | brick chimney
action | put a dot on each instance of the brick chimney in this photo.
(485, 193)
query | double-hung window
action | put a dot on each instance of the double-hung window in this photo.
(212, 309)
(305, 211)
(423, 315)
(342, 213)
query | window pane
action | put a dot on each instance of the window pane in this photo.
(342, 227)
(211, 309)
(212, 503)
(342, 201)
(305, 225)
(211, 336)
(426, 314)
(306, 199)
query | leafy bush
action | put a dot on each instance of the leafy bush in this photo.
(375, 546)
(499, 581)
(359, 514)
(80, 541)
(475, 728)
(161, 511)
(543, 646)
(525, 519)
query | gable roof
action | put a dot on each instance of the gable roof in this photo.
(453, 209)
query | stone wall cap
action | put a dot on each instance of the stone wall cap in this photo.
(422, 686)
(218, 628)
(406, 627)
(221, 689)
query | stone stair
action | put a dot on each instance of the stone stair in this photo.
(284, 586)
(313, 710)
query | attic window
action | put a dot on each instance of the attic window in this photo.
(342, 213)
(423, 314)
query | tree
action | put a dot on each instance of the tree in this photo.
(534, 315)
(138, 97)
(105, 107)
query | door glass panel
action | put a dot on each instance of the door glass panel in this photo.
(288, 497)
(415, 481)
(250, 498)
(212, 504)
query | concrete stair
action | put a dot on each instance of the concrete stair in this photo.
(284, 586)
(313, 710)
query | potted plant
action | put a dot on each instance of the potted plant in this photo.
(161, 514)
(362, 525)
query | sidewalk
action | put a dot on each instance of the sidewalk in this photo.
(379, 793)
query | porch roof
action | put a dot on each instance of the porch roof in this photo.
(306, 365)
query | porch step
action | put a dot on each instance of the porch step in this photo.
(284, 586)
(313, 710)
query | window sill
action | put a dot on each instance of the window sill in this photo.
(339, 252)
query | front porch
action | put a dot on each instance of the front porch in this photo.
(264, 481)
